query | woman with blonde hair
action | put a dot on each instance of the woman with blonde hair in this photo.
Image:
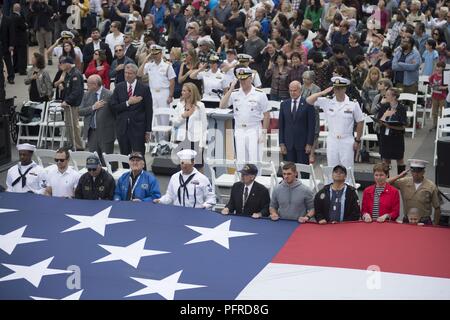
(190, 120)
(370, 87)
(188, 66)
(175, 58)
(193, 33)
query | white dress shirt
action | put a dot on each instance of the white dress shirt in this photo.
(63, 184)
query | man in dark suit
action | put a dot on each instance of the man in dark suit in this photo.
(296, 126)
(132, 103)
(99, 118)
(20, 31)
(248, 197)
(130, 50)
(96, 43)
(8, 42)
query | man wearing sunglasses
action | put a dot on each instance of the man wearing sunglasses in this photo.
(62, 180)
(97, 183)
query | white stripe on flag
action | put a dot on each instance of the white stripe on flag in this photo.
(289, 281)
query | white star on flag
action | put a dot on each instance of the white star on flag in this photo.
(9, 241)
(73, 296)
(165, 287)
(3, 210)
(97, 222)
(219, 234)
(131, 254)
(33, 273)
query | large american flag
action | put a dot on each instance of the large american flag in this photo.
(54, 248)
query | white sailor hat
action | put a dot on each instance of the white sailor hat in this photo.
(340, 82)
(154, 48)
(243, 73)
(26, 146)
(417, 164)
(242, 57)
(186, 154)
(67, 34)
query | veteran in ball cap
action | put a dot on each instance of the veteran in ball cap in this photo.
(26, 176)
(341, 113)
(418, 192)
(250, 108)
(137, 184)
(97, 183)
(248, 197)
(189, 187)
(161, 80)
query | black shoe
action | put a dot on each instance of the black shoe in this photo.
(50, 62)
(11, 81)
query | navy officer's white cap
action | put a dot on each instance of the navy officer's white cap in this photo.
(155, 48)
(244, 57)
(26, 146)
(243, 73)
(340, 81)
(417, 163)
(186, 154)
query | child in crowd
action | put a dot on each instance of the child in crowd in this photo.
(429, 57)
(439, 92)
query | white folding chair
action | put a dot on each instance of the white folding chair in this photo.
(323, 134)
(24, 127)
(369, 137)
(159, 128)
(445, 113)
(424, 95)
(312, 182)
(270, 180)
(53, 122)
(44, 156)
(411, 115)
(78, 159)
(120, 159)
(222, 180)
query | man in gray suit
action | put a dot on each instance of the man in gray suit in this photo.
(99, 118)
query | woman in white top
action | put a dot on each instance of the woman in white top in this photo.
(190, 121)
(214, 81)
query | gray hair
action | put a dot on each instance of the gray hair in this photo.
(132, 66)
(309, 75)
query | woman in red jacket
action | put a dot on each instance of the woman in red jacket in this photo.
(98, 65)
(380, 201)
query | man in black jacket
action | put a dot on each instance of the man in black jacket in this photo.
(72, 97)
(7, 44)
(20, 50)
(248, 197)
(338, 201)
(96, 184)
(133, 105)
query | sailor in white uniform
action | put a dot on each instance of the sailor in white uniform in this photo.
(244, 61)
(189, 187)
(341, 114)
(26, 176)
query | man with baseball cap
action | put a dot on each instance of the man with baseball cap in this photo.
(97, 183)
(342, 113)
(26, 176)
(250, 106)
(137, 184)
(189, 187)
(418, 192)
(248, 197)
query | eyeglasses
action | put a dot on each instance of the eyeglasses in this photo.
(92, 169)
(59, 160)
(119, 50)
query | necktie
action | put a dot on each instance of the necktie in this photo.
(130, 91)
(22, 177)
(93, 123)
(294, 109)
(245, 198)
(183, 187)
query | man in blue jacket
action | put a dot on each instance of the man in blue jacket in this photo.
(137, 184)
(406, 63)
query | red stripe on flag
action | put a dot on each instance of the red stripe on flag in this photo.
(393, 247)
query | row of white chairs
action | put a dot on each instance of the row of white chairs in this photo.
(443, 127)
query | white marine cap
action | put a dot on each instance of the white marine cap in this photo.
(26, 146)
(186, 154)
(417, 163)
(340, 81)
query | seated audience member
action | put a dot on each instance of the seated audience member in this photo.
(248, 197)
(137, 184)
(337, 201)
(62, 179)
(97, 183)
(189, 187)
(291, 199)
(26, 176)
(380, 201)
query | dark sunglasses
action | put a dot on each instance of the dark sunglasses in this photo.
(60, 160)
(92, 169)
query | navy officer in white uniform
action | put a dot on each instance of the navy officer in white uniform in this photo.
(250, 107)
(26, 176)
(189, 187)
(341, 114)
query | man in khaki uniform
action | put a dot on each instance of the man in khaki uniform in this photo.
(418, 191)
